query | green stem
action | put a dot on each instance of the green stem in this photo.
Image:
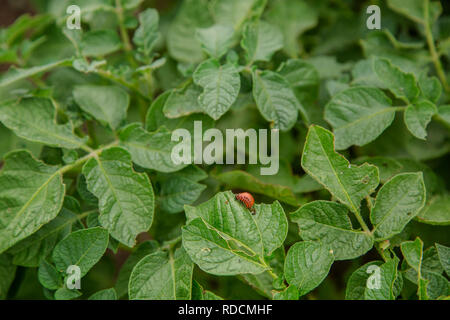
(123, 30)
(108, 75)
(361, 221)
(431, 46)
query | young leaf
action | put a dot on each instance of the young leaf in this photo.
(82, 248)
(143, 249)
(397, 202)
(359, 115)
(126, 199)
(349, 184)
(108, 104)
(221, 85)
(417, 117)
(216, 40)
(329, 223)
(307, 264)
(147, 34)
(444, 257)
(150, 150)
(402, 85)
(31, 194)
(34, 119)
(275, 99)
(162, 276)
(413, 253)
(106, 294)
(260, 40)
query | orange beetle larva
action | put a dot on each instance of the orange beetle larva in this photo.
(247, 199)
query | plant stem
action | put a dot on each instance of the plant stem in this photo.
(361, 221)
(123, 31)
(432, 47)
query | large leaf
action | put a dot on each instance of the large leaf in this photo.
(417, 117)
(221, 85)
(261, 40)
(415, 9)
(100, 42)
(82, 248)
(444, 257)
(150, 150)
(397, 202)
(275, 99)
(126, 200)
(307, 264)
(162, 276)
(387, 279)
(31, 194)
(357, 282)
(359, 115)
(222, 237)
(108, 104)
(34, 119)
(236, 12)
(329, 222)
(216, 40)
(348, 183)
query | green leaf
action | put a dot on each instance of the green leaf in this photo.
(82, 248)
(436, 211)
(358, 116)
(388, 275)
(162, 276)
(402, 85)
(260, 40)
(142, 250)
(418, 116)
(223, 238)
(178, 191)
(31, 195)
(221, 85)
(275, 99)
(349, 184)
(126, 199)
(34, 119)
(66, 294)
(357, 283)
(216, 40)
(49, 277)
(150, 150)
(272, 225)
(307, 264)
(444, 257)
(15, 74)
(290, 293)
(183, 102)
(236, 12)
(100, 43)
(329, 222)
(431, 87)
(293, 17)
(415, 9)
(397, 202)
(147, 34)
(31, 251)
(244, 180)
(106, 294)
(108, 104)
(181, 33)
(413, 253)
(7, 274)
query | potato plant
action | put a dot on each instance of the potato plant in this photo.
(93, 205)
